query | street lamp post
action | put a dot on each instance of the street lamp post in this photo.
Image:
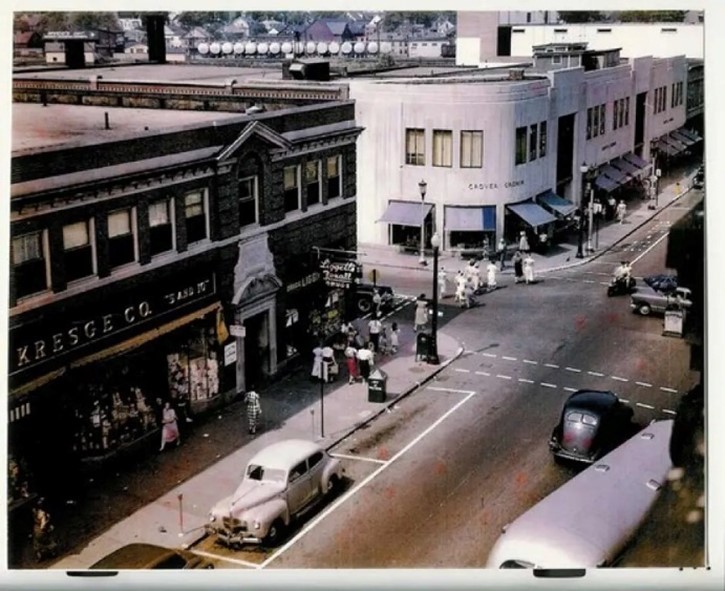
(423, 187)
(433, 350)
(590, 224)
(580, 245)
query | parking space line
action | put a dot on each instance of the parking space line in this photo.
(489, 354)
(483, 373)
(438, 389)
(574, 369)
(595, 373)
(588, 281)
(348, 494)
(619, 379)
(530, 361)
(552, 365)
(498, 375)
(670, 390)
(547, 385)
(461, 370)
(645, 405)
(624, 400)
(570, 389)
(645, 384)
(361, 458)
(227, 558)
(509, 358)
(525, 381)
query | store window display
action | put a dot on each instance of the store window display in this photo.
(193, 372)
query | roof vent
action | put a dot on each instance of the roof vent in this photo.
(516, 74)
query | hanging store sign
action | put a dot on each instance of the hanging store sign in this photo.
(230, 354)
(341, 274)
(52, 337)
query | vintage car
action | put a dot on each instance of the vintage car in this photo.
(150, 557)
(363, 298)
(280, 483)
(592, 423)
(646, 300)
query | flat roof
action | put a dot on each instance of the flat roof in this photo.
(36, 126)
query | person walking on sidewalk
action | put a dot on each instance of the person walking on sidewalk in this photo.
(524, 242)
(421, 313)
(502, 252)
(44, 544)
(375, 326)
(377, 301)
(491, 270)
(442, 283)
(518, 267)
(611, 207)
(316, 372)
(254, 410)
(394, 338)
(529, 269)
(460, 288)
(365, 360)
(621, 211)
(170, 429)
(351, 362)
(476, 279)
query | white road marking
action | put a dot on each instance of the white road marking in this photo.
(574, 369)
(588, 281)
(509, 358)
(656, 242)
(624, 400)
(619, 379)
(547, 385)
(351, 457)
(525, 381)
(489, 355)
(570, 389)
(227, 558)
(668, 411)
(437, 389)
(645, 384)
(483, 373)
(668, 390)
(595, 373)
(498, 375)
(604, 283)
(645, 405)
(461, 370)
(531, 362)
(314, 522)
(551, 365)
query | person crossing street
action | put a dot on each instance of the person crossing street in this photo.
(254, 410)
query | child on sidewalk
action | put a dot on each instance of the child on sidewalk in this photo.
(394, 336)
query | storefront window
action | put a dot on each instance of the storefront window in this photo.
(29, 264)
(193, 366)
(161, 226)
(78, 250)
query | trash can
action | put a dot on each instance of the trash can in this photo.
(422, 346)
(377, 386)
(674, 321)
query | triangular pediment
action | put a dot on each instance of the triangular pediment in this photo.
(254, 128)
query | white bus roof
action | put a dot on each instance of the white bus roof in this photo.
(587, 521)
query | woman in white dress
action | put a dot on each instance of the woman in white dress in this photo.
(529, 269)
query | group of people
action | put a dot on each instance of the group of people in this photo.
(468, 282)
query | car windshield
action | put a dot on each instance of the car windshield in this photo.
(255, 472)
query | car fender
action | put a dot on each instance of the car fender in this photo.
(266, 513)
(333, 468)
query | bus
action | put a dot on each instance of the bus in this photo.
(588, 521)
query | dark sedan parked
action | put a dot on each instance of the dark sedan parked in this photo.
(150, 557)
(592, 423)
(363, 297)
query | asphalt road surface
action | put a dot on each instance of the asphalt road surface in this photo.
(431, 483)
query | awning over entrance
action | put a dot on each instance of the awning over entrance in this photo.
(406, 213)
(674, 142)
(532, 214)
(605, 183)
(626, 167)
(681, 137)
(470, 219)
(560, 205)
(693, 135)
(668, 149)
(636, 160)
(616, 175)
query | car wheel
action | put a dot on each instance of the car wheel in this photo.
(645, 310)
(274, 533)
(332, 484)
(364, 305)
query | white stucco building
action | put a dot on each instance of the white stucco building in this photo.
(501, 150)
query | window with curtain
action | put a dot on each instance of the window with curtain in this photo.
(442, 147)
(334, 178)
(161, 231)
(533, 141)
(30, 270)
(415, 147)
(542, 139)
(121, 246)
(195, 215)
(78, 250)
(471, 149)
(291, 189)
(248, 201)
(312, 182)
(520, 145)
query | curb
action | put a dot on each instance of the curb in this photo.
(394, 401)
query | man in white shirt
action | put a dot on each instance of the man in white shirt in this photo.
(375, 327)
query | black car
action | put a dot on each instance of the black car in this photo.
(592, 423)
(150, 557)
(363, 297)
(662, 282)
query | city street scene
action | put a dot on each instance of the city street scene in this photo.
(358, 290)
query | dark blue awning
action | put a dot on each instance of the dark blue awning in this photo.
(406, 213)
(626, 166)
(532, 214)
(693, 135)
(560, 205)
(636, 160)
(681, 137)
(470, 219)
(605, 183)
(616, 175)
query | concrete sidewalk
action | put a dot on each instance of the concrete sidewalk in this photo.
(172, 521)
(561, 255)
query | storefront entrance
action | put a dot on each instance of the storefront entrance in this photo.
(256, 350)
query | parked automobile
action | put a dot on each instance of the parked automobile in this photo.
(647, 300)
(150, 557)
(363, 298)
(699, 180)
(280, 483)
(662, 282)
(592, 423)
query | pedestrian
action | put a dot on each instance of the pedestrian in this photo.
(365, 360)
(44, 544)
(442, 283)
(502, 252)
(461, 282)
(375, 326)
(523, 242)
(621, 211)
(470, 270)
(394, 338)
(529, 268)
(476, 278)
(611, 206)
(351, 362)
(491, 270)
(469, 296)
(377, 301)
(170, 427)
(421, 313)
(316, 372)
(518, 267)
(329, 365)
(383, 342)
(254, 410)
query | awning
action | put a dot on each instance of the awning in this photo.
(605, 183)
(667, 149)
(470, 219)
(560, 205)
(681, 137)
(674, 142)
(636, 160)
(406, 213)
(616, 175)
(145, 337)
(532, 214)
(626, 167)
(693, 135)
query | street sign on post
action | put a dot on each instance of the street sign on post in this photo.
(237, 330)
